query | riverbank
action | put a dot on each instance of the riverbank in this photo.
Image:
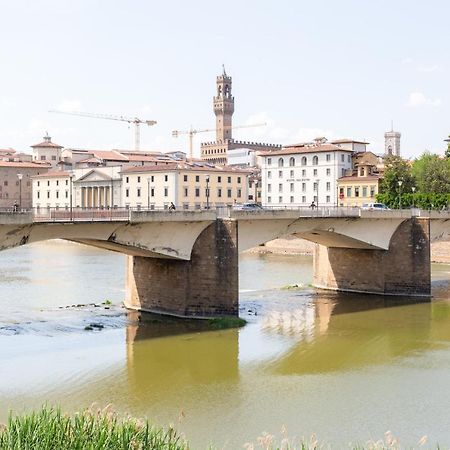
(293, 245)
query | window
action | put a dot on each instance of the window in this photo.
(197, 192)
(229, 193)
(269, 188)
(186, 192)
(280, 174)
(328, 199)
(239, 191)
(315, 172)
(197, 178)
(291, 174)
(349, 159)
(166, 191)
(43, 158)
(238, 179)
(139, 179)
(127, 179)
(292, 187)
(315, 186)
(280, 162)
(269, 174)
(127, 192)
(280, 199)
(303, 187)
(292, 161)
(349, 192)
(57, 182)
(138, 192)
(303, 172)
(48, 183)
(280, 188)
(67, 194)
(152, 192)
(328, 186)
(364, 191)
(269, 199)
(57, 194)
(48, 194)
(269, 161)
(303, 198)
(328, 157)
(304, 161)
(342, 172)
(342, 158)
(67, 182)
(357, 191)
(292, 199)
(53, 157)
(328, 172)
(219, 192)
(152, 178)
(315, 160)
(38, 183)
(219, 179)
(372, 191)
(38, 194)
(185, 177)
(166, 177)
(229, 179)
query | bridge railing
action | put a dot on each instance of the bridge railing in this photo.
(80, 214)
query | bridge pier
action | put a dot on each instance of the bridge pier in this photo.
(205, 286)
(404, 269)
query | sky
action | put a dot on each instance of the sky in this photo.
(329, 68)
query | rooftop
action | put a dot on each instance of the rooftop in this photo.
(24, 164)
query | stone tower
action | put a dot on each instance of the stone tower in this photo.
(223, 107)
(392, 142)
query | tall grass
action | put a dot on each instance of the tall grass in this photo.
(92, 429)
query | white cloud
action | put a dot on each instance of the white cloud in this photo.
(428, 69)
(417, 99)
(407, 61)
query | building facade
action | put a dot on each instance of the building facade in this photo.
(187, 186)
(304, 173)
(223, 103)
(47, 152)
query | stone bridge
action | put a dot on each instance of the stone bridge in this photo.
(185, 263)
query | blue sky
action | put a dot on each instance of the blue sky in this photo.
(335, 68)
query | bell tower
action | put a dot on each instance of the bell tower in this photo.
(392, 142)
(223, 107)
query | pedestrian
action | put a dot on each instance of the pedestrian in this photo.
(313, 205)
(172, 207)
(15, 207)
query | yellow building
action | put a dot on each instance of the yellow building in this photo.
(362, 184)
(196, 185)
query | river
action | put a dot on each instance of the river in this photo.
(345, 367)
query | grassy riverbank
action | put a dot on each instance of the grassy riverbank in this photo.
(102, 429)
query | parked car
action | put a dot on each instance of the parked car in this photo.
(247, 207)
(375, 207)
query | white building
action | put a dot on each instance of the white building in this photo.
(299, 174)
(242, 157)
(51, 190)
(47, 152)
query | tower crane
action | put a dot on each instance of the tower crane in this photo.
(136, 121)
(191, 132)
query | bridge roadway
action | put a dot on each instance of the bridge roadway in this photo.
(185, 263)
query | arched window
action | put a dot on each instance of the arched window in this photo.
(280, 162)
(304, 161)
(292, 161)
(315, 160)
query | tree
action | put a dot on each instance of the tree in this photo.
(432, 174)
(396, 170)
(447, 152)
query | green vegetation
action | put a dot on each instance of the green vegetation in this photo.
(424, 184)
(49, 429)
(107, 302)
(291, 286)
(222, 323)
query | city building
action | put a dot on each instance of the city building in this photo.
(47, 152)
(300, 174)
(361, 185)
(15, 182)
(193, 185)
(216, 152)
(392, 142)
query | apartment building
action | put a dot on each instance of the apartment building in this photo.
(304, 173)
(194, 185)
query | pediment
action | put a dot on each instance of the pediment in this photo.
(94, 175)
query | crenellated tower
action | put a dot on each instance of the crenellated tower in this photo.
(223, 107)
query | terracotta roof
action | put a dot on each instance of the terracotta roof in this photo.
(186, 166)
(47, 144)
(53, 174)
(24, 164)
(133, 157)
(111, 155)
(90, 160)
(293, 149)
(362, 179)
(7, 151)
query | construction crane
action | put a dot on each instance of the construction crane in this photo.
(191, 132)
(137, 122)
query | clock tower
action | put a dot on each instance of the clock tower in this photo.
(223, 107)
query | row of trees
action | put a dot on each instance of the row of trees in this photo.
(424, 183)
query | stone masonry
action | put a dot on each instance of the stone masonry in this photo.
(404, 269)
(205, 286)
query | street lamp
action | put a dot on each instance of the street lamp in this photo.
(317, 181)
(256, 191)
(400, 182)
(71, 195)
(413, 190)
(207, 191)
(20, 176)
